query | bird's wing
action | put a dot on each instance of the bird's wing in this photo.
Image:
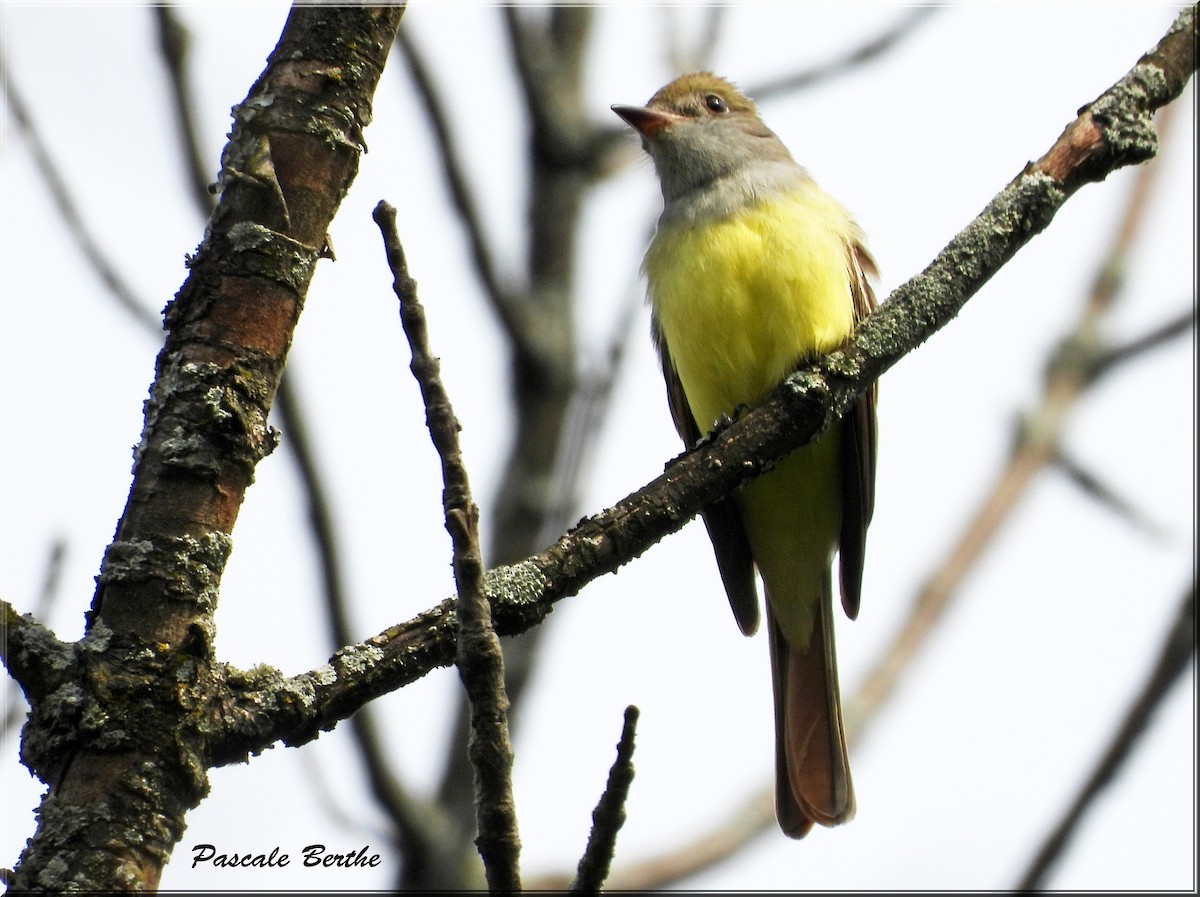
(722, 519)
(858, 449)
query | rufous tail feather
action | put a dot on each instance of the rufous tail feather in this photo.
(812, 770)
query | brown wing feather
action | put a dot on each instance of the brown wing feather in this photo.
(859, 439)
(722, 519)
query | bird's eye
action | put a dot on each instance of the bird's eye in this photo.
(716, 103)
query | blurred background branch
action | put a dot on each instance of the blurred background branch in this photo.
(1178, 651)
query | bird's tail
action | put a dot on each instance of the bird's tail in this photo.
(812, 770)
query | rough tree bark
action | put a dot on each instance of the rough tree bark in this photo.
(121, 731)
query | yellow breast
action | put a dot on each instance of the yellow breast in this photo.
(741, 299)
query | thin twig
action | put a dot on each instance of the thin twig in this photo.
(1135, 348)
(756, 815)
(1104, 495)
(849, 61)
(72, 218)
(47, 596)
(173, 44)
(479, 659)
(588, 412)
(547, 54)
(1178, 650)
(454, 173)
(413, 826)
(609, 815)
(685, 57)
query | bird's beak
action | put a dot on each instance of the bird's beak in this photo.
(647, 122)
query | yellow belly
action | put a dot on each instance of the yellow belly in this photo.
(740, 301)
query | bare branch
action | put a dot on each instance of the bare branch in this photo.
(70, 213)
(684, 58)
(416, 824)
(1178, 650)
(173, 43)
(609, 814)
(478, 656)
(849, 61)
(562, 152)
(589, 408)
(47, 595)
(31, 653)
(755, 816)
(1106, 496)
(1115, 356)
(454, 172)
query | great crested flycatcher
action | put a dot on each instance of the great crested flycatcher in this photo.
(752, 270)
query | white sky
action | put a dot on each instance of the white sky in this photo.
(1014, 697)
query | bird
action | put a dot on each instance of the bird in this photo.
(752, 271)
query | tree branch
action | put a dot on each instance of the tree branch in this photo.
(609, 815)
(71, 216)
(454, 173)
(14, 712)
(1105, 496)
(1178, 650)
(173, 44)
(478, 656)
(847, 62)
(33, 656)
(547, 53)
(1116, 356)
(148, 644)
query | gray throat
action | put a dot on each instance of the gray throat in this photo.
(730, 193)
